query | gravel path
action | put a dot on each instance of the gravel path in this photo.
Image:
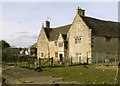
(16, 75)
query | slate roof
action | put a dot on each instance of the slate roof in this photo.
(47, 32)
(99, 28)
(53, 33)
(102, 28)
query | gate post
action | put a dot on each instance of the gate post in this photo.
(71, 60)
(52, 62)
(39, 60)
(103, 60)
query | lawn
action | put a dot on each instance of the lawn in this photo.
(90, 75)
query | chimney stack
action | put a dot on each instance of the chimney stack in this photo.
(47, 24)
(80, 11)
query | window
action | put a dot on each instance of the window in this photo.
(42, 54)
(92, 46)
(55, 43)
(78, 25)
(92, 40)
(78, 57)
(56, 54)
(60, 44)
(108, 39)
(119, 39)
(77, 39)
(66, 44)
(107, 55)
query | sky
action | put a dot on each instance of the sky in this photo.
(22, 21)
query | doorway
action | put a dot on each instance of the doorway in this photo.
(61, 57)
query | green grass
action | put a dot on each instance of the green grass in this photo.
(25, 65)
(82, 75)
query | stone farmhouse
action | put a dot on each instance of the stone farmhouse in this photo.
(86, 40)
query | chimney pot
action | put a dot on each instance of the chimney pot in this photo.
(47, 24)
(80, 11)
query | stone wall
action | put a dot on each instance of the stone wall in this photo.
(79, 29)
(43, 45)
(101, 49)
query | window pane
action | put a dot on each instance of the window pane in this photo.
(78, 39)
(108, 39)
(42, 54)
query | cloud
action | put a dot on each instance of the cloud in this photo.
(23, 32)
(19, 35)
(23, 40)
(27, 36)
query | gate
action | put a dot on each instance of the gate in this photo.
(46, 62)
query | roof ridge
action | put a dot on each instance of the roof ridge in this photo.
(62, 26)
(100, 19)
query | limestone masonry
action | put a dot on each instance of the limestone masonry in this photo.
(86, 40)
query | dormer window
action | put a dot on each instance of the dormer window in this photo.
(61, 44)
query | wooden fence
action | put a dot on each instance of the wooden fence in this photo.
(46, 62)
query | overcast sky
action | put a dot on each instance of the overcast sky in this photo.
(22, 21)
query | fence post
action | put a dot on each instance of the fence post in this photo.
(28, 62)
(52, 62)
(39, 61)
(115, 61)
(97, 58)
(71, 60)
(102, 60)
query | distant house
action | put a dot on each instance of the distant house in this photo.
(24, 51)
(86, 39)
(32, 50)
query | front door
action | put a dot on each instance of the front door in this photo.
(61, 57)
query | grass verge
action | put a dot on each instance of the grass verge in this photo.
(90, 75)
